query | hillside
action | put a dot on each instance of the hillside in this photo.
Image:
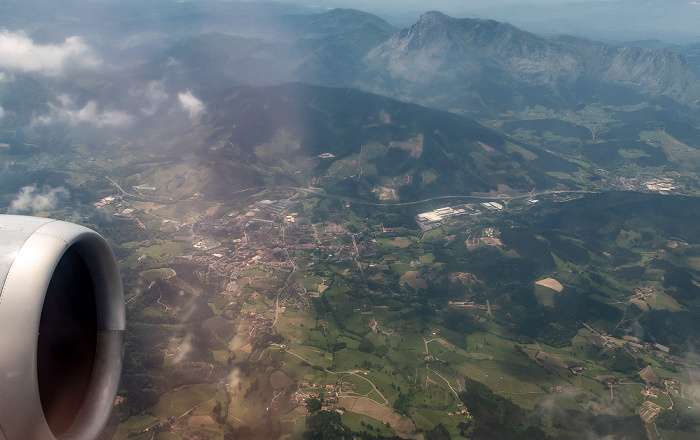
(379, 146)
(465, 65)
(502, 67)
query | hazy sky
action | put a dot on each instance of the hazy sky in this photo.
(674, 21)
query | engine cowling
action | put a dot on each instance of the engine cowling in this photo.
(62, 328)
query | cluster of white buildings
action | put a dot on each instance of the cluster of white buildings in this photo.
(433, 219)
(661, 184)
(492, 206)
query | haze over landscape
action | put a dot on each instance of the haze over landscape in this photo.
(603, 20)
(435, 221)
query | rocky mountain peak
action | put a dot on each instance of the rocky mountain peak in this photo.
(439, 49)
(433, 17)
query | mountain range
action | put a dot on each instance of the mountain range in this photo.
(445, 106)
(463, 65)
(501, 65)
(377, 147)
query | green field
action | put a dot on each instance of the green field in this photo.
(383, 323)
(178, 402)
(157, 274)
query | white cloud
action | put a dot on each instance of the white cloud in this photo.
(183, 349)
(234, 378)
(30, 200)
(90, 114)
(18, 52)
(186, 346)
(154, 95)
(193, 106)
(2, 112)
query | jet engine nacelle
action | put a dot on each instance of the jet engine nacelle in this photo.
(61, 330)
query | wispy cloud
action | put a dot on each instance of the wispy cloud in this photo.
(153, 94)
(67, 112)
(2, 112)
(19, 52)
(29, 199)
(234, 378)
(193, 106)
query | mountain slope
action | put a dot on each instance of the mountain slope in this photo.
(326, 48)
(381, 148)
(461, 65)
(499, 65)
(334, 22)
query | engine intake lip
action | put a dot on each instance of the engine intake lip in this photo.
(31, 251)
